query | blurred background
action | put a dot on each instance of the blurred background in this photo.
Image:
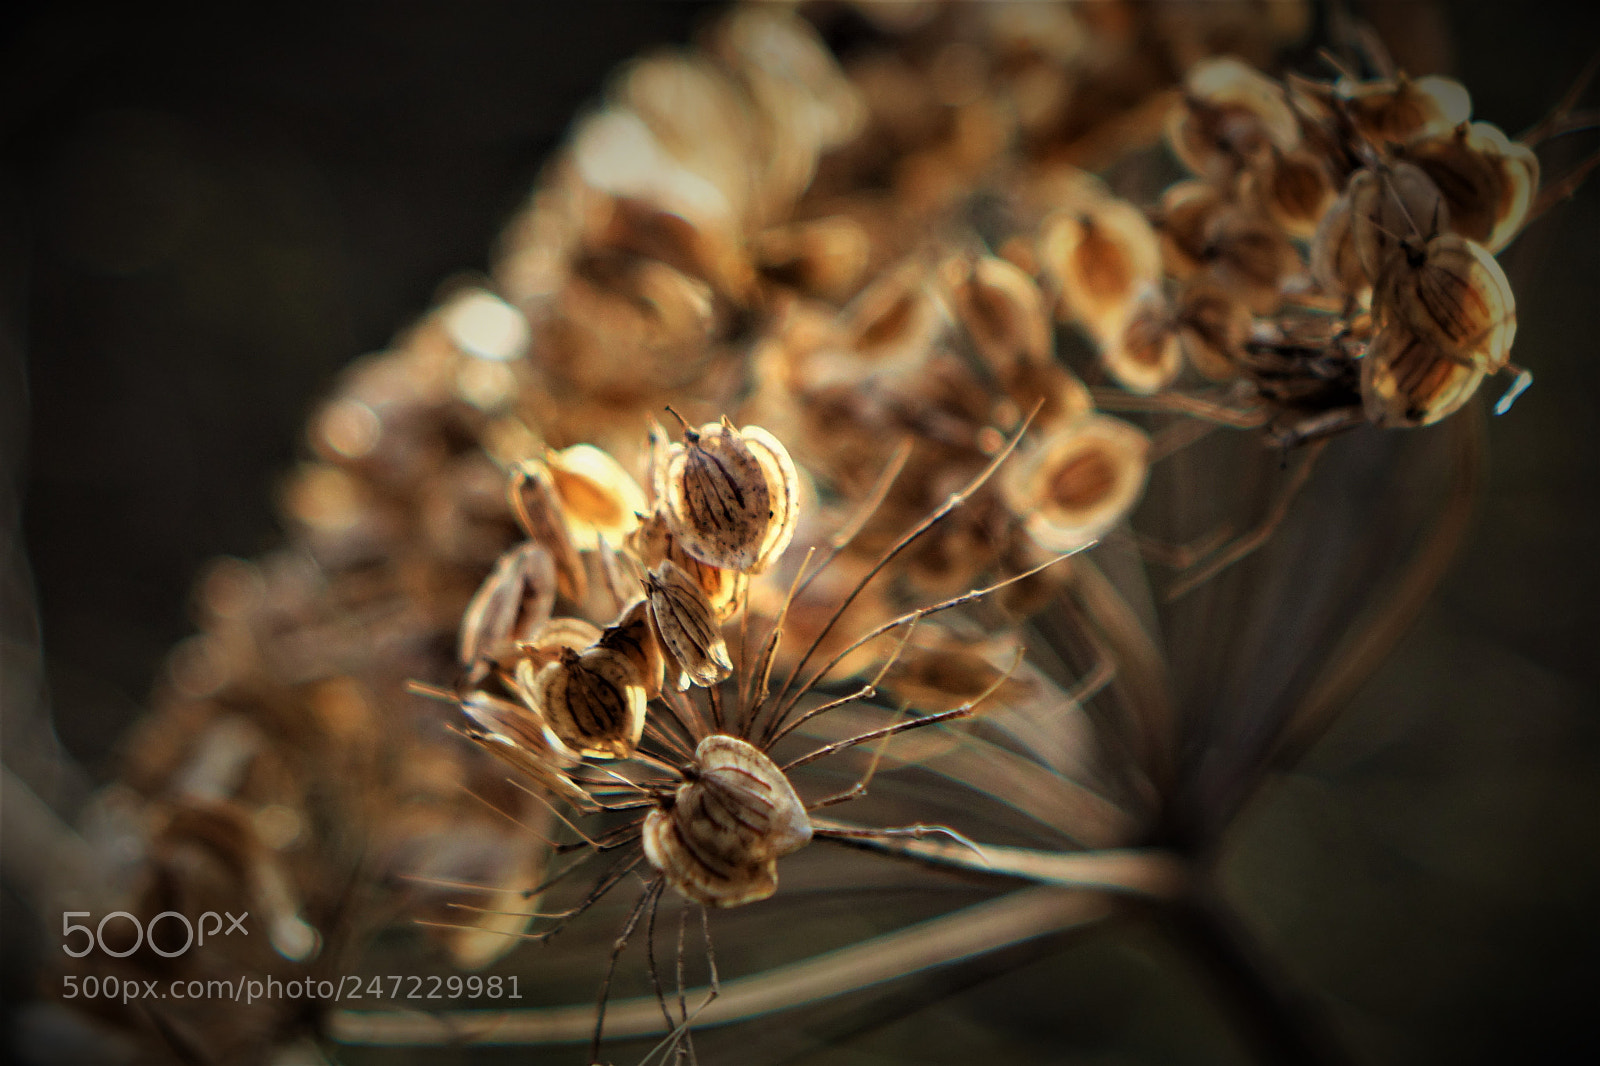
(204, 215)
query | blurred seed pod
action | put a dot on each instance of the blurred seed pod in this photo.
(892, 326)
(1101, 257)
(1143, 355)
(1056, 391)
(1451, 294)
(1488, 180)
(516, 598)
(1294, 189)
(520, 737)
(731, 496)
(1213, 325)
(1389, 204)
(1231, 114)
(1001, 310)
(634, 636)
(1406, 381)
(1181, 222)
(1078, 482)
(728, 825)
(686, 624)
(540, 513)
(1249, 255)
(1334, 262)
(1393, 112)
(822, 257)
(594, 702)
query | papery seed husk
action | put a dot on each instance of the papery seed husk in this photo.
(598, 497)
(1231, 114)
(1334, 262)
(538, 508)
(716, 502)
(1452, 294)
(1295, 190)
(1213, 325)
(893, 325)
(633, 634)
(824, 257)
(1100, 257)
(1181, 221)
(1057, 392)
(594, 702)
(783, 493)
(653, 541)
(686, 624)
(1078, 482)
(1144, 355)
(1393, 112)
(1001, 310)
(520, 737)
(1390, 205)
(1488, 180)
(1406, 381)
(704, 879)
(1249, 255)
(516, 597)
(545, 643)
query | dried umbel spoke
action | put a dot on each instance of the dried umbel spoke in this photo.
(719, 841)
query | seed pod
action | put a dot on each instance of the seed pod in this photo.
(892, 326)
(1405, 381)
(824, 256)
(1186, 208)
(1101, 257)
(731, 496)
(1001, 310)
(685, 622)
(1488, 180)
(1388, 205)
(1295, 190)
(1079, 482)
(1213, 325)
(593, 702)
(519, 736)
(1452, 295)
(539, 511)
(517, 596)
(545, 643)
(1249, 256)
(653, 541)
(633, 635)
(598, 498)
(1393, 112)
(1231, 114)
(1334, 262)
(729, 823)
(1144, 355)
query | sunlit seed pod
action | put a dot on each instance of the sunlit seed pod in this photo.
(1143, 355)
(1180, 224)
(598, 497)
(1390, 204)
(1231, 114)
(1393, 112)
(593, 702)
(1451, 294)
(1001, 310)
(634, 636)
(545, 642)
(686, 624)
(1488, 180)
(1334, 262)
(731, 496)
(1294, 189)
(1078, 482)
(516, 597)
(538, 507)
(1405, 381)
(1101, 257)
(823, 257)
(729, 822)
(893, 324)
(653, 542)
(1213, 325)
(1250, 256)
(519, 735)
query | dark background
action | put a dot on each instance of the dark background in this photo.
(203, 216)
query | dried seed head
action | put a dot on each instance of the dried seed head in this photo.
(893, 325)
(729, 823)
(594, 701)
(1488, 180)
(824, 257)
(1390, 204)
(538, 507)
(1144, 355)
(633, 635)
(687, 625)
(598, 498)
(1393, 112)
(1405, 381)
(1101, 257)
(1001, 310)
(1231, 114)
(1079, 482)
(516, 597)
(731, 496)
(1452, 295)
(1213, 325)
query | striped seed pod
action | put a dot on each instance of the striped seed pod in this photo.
(730, 496)
(592, 701)
(686, 624)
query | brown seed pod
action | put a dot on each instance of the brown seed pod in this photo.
(1488, 180)
(538, 507)
(1100, 257)
(519, 736)
(1294, 189)
(545, 643)
(1078, 482)
(1451, 294)
(1250, 256)
(1144, 355)
(1390, 204)
(516, 597)
(598, 498)
(1393, 112)
(1181, 221)
(653, 541)
(893, 325)
(824, 257)
(687, 625)
(593, 701)
(1406, 381)
(1231, 114)
(731, 496)
(729, 823)
(1213, 325)
(1334, 262)
(634, 636)
(1001, 310)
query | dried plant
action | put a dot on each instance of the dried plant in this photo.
(903, 553)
